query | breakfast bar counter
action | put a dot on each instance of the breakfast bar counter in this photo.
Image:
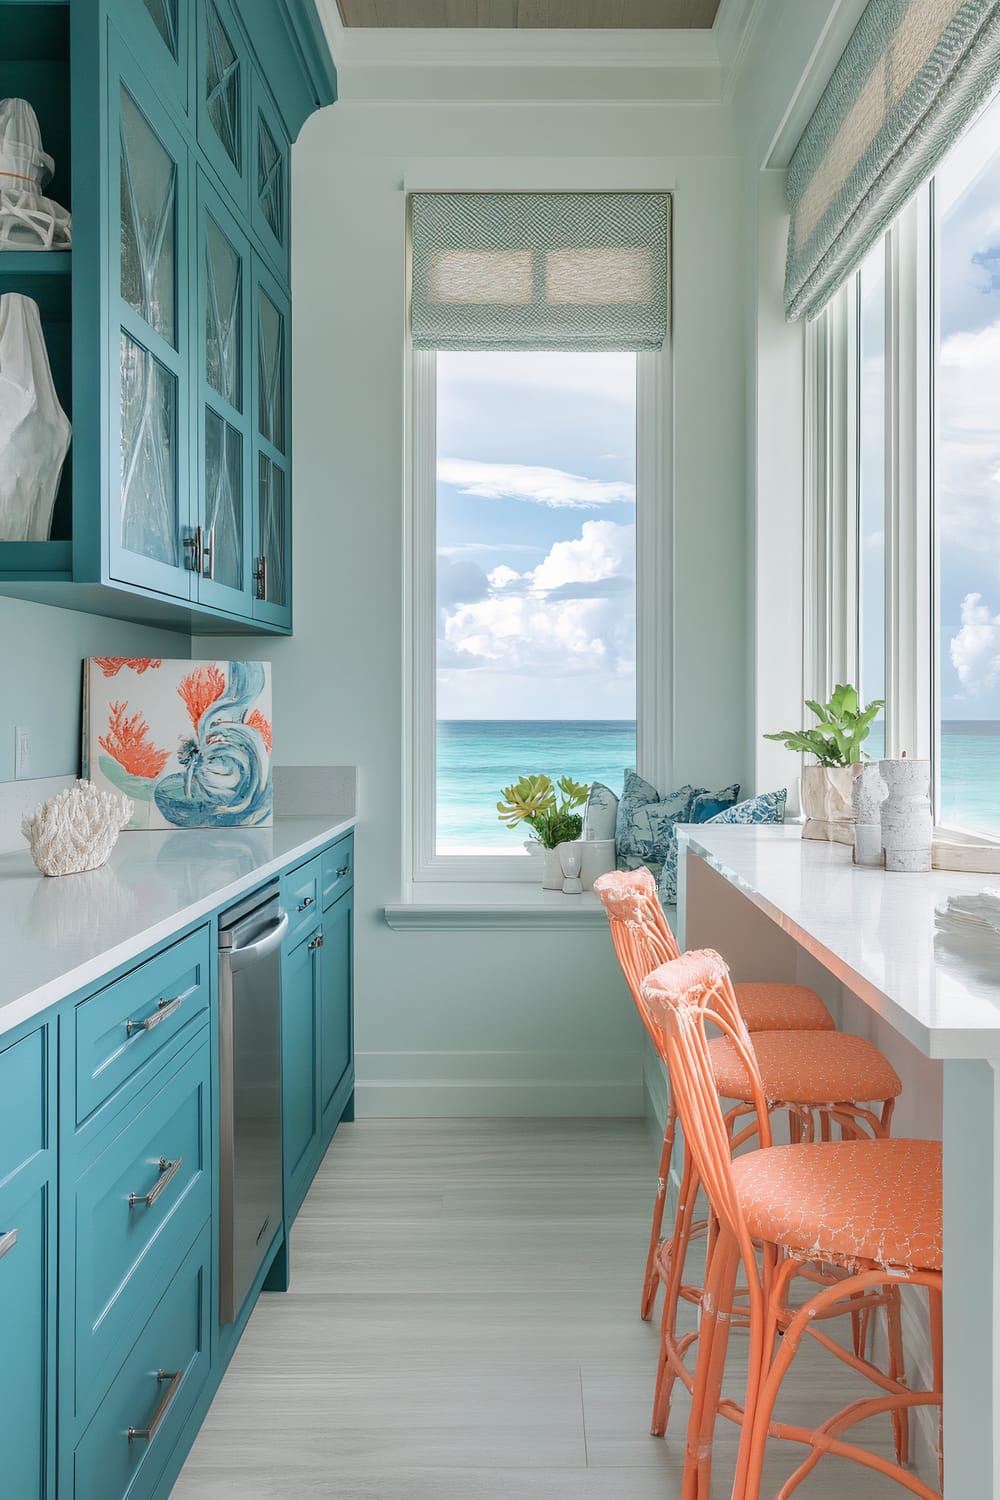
(783, 908)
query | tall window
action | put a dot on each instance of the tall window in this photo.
(926, 382)
(967, 477)
(535, 540)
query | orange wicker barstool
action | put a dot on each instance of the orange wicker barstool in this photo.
(870, 1208)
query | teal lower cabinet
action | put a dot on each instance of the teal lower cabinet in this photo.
(109, 1226)
(27, 1266)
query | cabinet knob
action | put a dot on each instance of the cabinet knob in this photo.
(317, 941)
(309, 901)
(344, 870)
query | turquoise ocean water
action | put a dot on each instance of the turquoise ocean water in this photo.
(477, 757)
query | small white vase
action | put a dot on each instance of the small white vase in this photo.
(570, 860)
(867, 797)
(598, 859)
(907, 825)
(552, 875)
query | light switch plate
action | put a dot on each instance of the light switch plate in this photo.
(22, 752)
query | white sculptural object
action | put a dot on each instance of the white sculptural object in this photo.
(28, 221)
(76, 830)
(571, 861)
(907, 824)
(34, 429)
(867, 795)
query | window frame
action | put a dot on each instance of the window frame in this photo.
(654, 614)
(832, 557)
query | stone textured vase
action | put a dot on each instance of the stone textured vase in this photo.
(907, 824)
(867, 795)
(825, 795)
(34, 429)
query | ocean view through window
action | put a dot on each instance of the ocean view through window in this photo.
(535, 542)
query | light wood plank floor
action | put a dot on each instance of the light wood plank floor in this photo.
(463, 1325)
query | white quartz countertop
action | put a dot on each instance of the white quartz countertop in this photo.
(61, 935)
(873, 930)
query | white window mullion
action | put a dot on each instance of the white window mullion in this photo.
(654, 597)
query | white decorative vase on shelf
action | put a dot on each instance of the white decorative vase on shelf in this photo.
(825, 796)
(28, 221)
(570, 862)
(552, 875)
(34, 429)
(598, 859)
(907, 824)
(867, 796)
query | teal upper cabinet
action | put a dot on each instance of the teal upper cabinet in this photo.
(168, 324)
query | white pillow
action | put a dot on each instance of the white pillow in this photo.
(601, 813)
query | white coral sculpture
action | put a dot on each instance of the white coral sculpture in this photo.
(76, 830)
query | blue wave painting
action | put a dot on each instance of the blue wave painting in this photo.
(225, 780)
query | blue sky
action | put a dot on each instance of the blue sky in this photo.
(536, 536)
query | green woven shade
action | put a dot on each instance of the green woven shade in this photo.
(539, 270)
(912, 76)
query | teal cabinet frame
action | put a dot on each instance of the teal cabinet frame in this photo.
(162, 33)
(272, 476)
(222, 96)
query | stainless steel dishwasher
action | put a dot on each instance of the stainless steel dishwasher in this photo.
(250, 1191)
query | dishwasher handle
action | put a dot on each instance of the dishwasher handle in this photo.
(241, 958)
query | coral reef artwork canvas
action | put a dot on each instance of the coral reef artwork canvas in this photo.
(188, 741)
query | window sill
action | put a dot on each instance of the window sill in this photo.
(486, 908)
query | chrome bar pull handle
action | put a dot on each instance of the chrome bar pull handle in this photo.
(194, 545)
(260, 576)
(344, 870)
(168, 1171)
(317, 941)
(148, 1433)
(309, 901)
(208, 555)
(7, 1242)
(164, 1009)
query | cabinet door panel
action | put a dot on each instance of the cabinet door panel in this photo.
(150, 290)
(336, 1020)
(269, 178)
(299, 1041)
(159, 33)
(223, 79)
(225, 423)
(272, 397)
(26, 1291)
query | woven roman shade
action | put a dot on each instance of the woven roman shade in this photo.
(539, 270)
(912, 76)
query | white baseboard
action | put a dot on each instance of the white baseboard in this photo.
(499, 1085)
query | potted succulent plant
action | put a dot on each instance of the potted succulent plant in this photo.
(836, 741)
(550, 820)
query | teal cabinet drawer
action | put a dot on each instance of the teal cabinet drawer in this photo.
(124, 1450)
(338, 870)
(300, 897)
(122, 1027)
(137, 1208)
(23, 1102)
(27, 1317)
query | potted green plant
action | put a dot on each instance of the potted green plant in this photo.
(549, 819)
(836, 742)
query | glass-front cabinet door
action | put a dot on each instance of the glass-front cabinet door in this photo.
(159, 33)
(272, 439)
(269, 179)
(225, 528)
(150, 540)
(223, 90)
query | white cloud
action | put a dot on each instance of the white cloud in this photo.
(975, 650)
(500, 577)
(533, 482)
(602, 550)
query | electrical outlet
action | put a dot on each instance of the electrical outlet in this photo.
(22, 752)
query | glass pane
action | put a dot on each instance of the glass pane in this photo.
(271, 371)
(148, 221)
(149, 501)
(535, 528)
(224, 311)
(270, 180)
(224, 499)
(222, 86)
(871, 489)
(271, 501)
(164, 14)
(967, 500)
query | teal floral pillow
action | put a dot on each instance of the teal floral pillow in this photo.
(704, 807)
(646, 821)
(769, 807)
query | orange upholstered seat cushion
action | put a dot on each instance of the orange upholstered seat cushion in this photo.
(781, 1007)
(847, 1200)
(807, 1067)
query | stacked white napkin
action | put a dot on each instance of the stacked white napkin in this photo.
(976, 913)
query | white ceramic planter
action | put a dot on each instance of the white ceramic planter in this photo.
(598, 859)
(867, 796)
(552, 875)
(907, 825)
(825, 797)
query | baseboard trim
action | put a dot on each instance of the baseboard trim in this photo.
(497, 1099)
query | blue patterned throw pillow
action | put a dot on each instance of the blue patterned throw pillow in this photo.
(705, 805)
(600, 817)
(769, 807)
(645, 822)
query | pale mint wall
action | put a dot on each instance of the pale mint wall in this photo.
(491, 1023)
(41, 651)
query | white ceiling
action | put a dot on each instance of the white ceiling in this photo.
(525, 14)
